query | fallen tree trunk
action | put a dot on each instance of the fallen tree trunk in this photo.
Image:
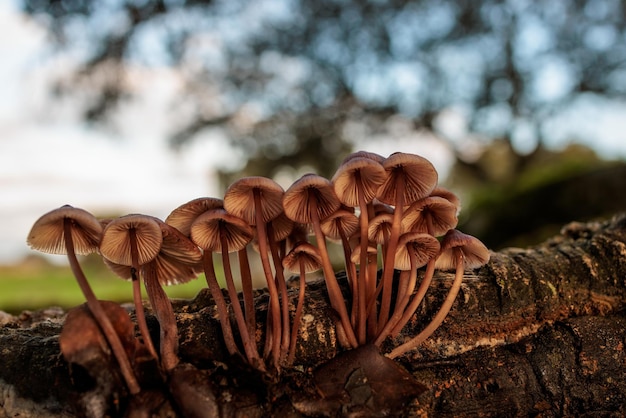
(538, 331)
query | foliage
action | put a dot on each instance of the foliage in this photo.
(289, 81)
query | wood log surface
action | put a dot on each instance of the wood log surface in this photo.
(538, 331)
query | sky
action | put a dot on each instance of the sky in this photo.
(49, 157)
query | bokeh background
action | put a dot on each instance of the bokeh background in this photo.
(137, 106)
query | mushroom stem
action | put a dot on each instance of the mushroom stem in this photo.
(370, 282)
(282, 287)
(96, 310)
(351, 273)
(440, 315)
(248, 346)
(402, 300)
(334, 292)
(417, 298)
(247, 290)
(162, 308)
(390, 254)
(220, 303)
(297, 316)
(363, 270)
(139, 311)
(275, 316)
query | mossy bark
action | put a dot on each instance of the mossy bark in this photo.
(536, 332)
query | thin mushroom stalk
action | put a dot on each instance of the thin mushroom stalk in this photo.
(101, 317)
(137, 299)
(249, 344)
(415, 300)
(334, 290)
(439, 316)
(247, 290)
(271, 284)
(165, 315)
(220, 303)
(282, 287)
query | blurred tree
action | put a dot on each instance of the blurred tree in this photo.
(285, 80)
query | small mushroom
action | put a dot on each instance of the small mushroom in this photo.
(302, 259)
(183, 216)
(415, 249)
(410, 178)
(433, 215)
(448, 195)
(219, 231)
(258, 200)
(356, 183)
(72, 231)
(133, 240)
(341, 225)
(310, 200)
(459, 251)
(173, 264)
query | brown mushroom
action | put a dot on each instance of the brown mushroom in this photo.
(459, 251)
(309, 200)
(448, 195)
(410, 178)
(415, 249)
(219, 231)
(341, 225)
(356, 183)
(175, 263)
(183, 216)
(133, 240)
(433, 215)
(72, 231)
(302, 259)
(258, 200)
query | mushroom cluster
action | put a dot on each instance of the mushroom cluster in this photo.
(388, 214)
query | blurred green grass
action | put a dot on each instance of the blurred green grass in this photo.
(35, 284)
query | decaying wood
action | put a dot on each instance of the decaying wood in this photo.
(538, 331)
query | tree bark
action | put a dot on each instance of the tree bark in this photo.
(538, 331)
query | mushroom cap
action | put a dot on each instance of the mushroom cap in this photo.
(355, 256)
(171, 271)
(423, 246)
(440, 213)
(347, 220)
(303, 252)
(239, 199)
(177, 262)
(475, 254)
(183, 216)
(207, 231)
(115, 244)
(364, 154)
(48, 234)
(379, 228)
(281, 227)
(370, 173)
(178, 246)
(420, 178)
(299, 195)
(448, 195)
